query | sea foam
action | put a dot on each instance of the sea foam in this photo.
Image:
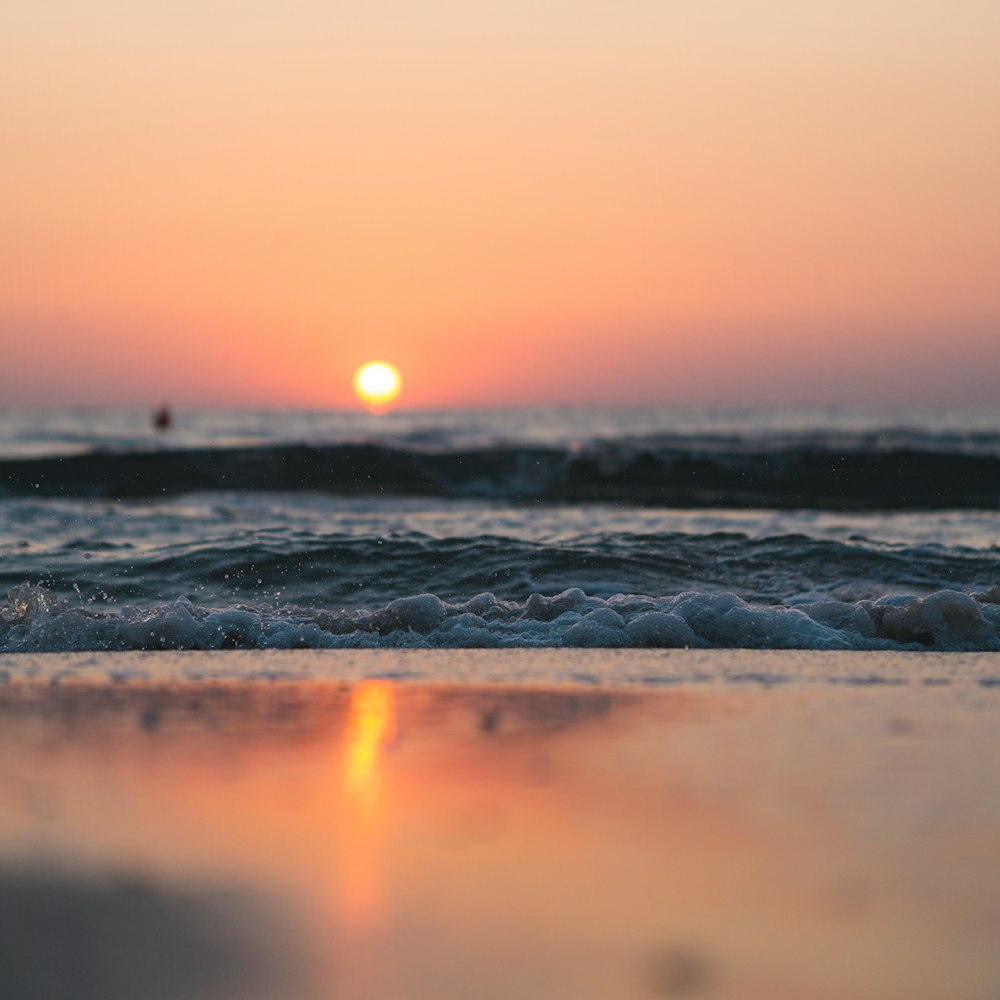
(36, 620)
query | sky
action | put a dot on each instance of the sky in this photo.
(655, 202)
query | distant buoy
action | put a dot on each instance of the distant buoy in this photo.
(163, 419)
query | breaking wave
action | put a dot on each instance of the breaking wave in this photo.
(294, 564)
(37, 620)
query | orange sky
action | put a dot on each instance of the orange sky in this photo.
(638, 201)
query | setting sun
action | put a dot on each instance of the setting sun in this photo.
(377, 384)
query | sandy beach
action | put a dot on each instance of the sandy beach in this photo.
(533, 824)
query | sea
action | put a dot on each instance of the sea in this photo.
(782, 528)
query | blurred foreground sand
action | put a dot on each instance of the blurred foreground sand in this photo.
(400, 825)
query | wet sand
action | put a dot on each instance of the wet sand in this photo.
(523, 824)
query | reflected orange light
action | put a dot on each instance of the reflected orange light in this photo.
(371, 726)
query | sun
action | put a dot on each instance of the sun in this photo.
(377, 384)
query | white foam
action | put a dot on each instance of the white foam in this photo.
(34, 620)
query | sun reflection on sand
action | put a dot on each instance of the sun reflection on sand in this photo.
(371, 727)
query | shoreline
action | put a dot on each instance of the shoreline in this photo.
(604, 668)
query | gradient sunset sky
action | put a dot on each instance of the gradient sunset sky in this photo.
(628, 202)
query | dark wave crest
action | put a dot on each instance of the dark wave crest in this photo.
(706, 473)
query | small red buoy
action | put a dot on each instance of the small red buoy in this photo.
(163, 419)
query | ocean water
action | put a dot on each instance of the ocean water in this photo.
(799, 528)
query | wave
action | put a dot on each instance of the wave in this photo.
(35, 620)
(838, 473)
(315, 568)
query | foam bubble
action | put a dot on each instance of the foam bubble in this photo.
(34, 620)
